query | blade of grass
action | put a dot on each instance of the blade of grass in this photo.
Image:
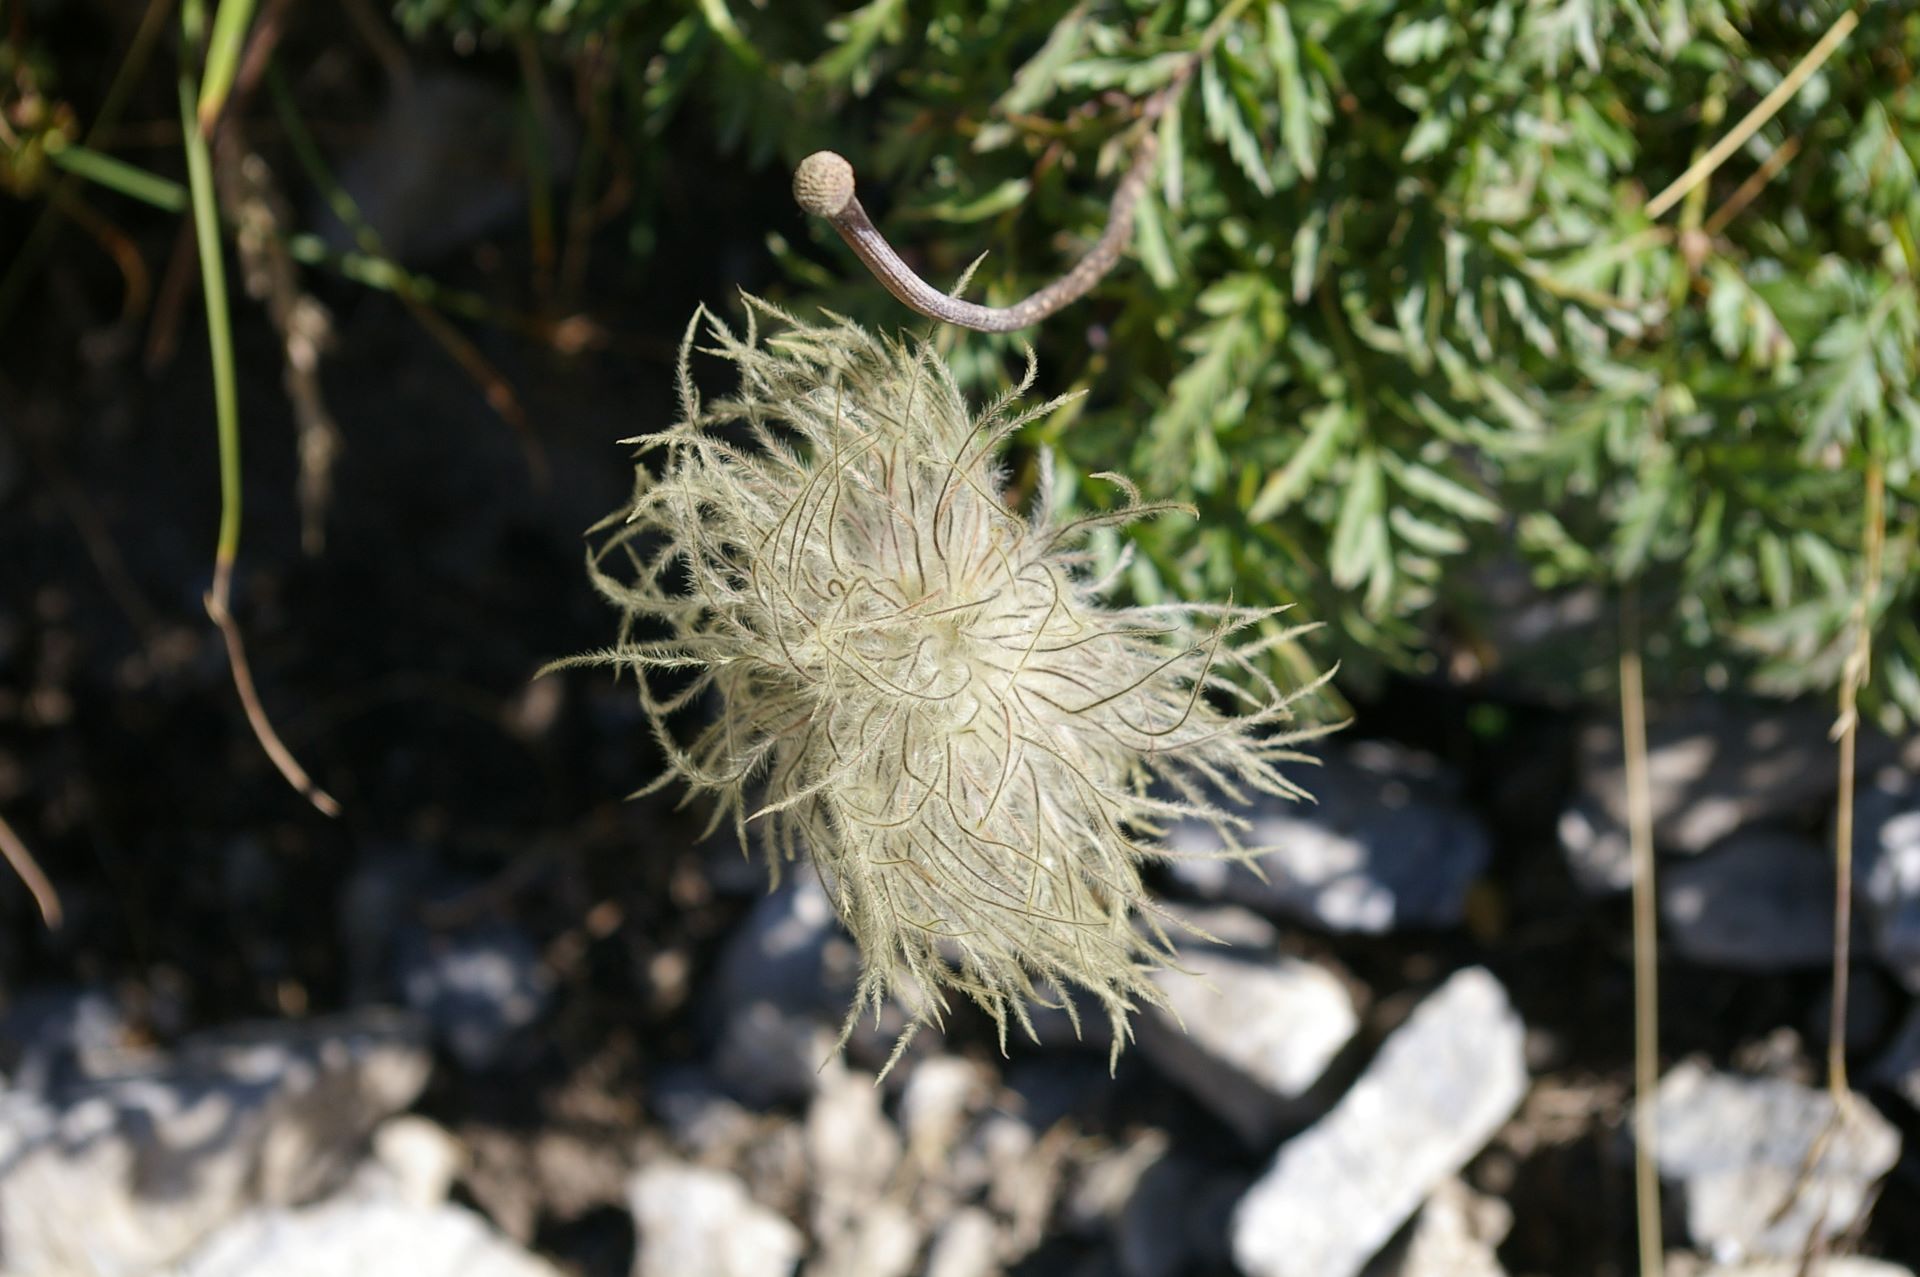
(206, 225)
(118, 175)
(1646, 939)
(230, 27)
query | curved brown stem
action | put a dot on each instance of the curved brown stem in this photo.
(823, 185)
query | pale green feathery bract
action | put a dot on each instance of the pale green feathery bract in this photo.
(917, 685)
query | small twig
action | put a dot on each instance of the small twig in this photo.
(824, 186)
(37, 884)
(282, 758)
(1646, 968)
(1750, 189)
(1701, 169)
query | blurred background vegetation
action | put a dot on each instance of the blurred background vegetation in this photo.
(1396, 320)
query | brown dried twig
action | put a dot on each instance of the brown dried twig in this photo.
(37, 883)
(823, 185)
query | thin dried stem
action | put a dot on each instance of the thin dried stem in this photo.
(1646, 966)
(216, 601)
(1847, 728)
(1703, 168)
(45, 898)
(1749, 190)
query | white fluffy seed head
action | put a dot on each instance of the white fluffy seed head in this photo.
(919, 686)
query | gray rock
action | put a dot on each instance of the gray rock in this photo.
(1454, 1235)
(127, 1173)
(1758, 900)
(1383, 846)
(1247, 1039)
(781, 989)
(364, 1238)
(693, 1220)
(1595, 847)
(481, 990)
(1738, 1149)
(703, 1121)
(1714, 766)
(1439, 1088)
(1887, 872)
(1176, 1218)
(51, 1038)
(1898, 1068)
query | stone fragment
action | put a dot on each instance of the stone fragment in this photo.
(1247, 1038)
(365, 1238)
(481, 990)
(1382, 847)
(689, 1219)
(784, 983)
(1432, 1097)
(1454, 1235)
(1714, 766)
(1887, 872)
(126, 1173)
(852, 1154)
(1738, 1149)
(1758, 900)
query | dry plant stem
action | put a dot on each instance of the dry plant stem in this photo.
(1646, 968)
(824, 177)
(37, 884)
(259, 215)
(276, 750)
(824, 185)
(1703, 168)
(206, 225)
(1848, 727)
(1750, 189)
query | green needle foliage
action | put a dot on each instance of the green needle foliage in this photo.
(1396, 314)
(919, 686)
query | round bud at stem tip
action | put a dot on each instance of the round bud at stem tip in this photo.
(823, 184)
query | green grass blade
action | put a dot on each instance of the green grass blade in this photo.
(118, 175)
(213, 281)
(230, 27)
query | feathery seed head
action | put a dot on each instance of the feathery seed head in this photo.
(919, 685)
